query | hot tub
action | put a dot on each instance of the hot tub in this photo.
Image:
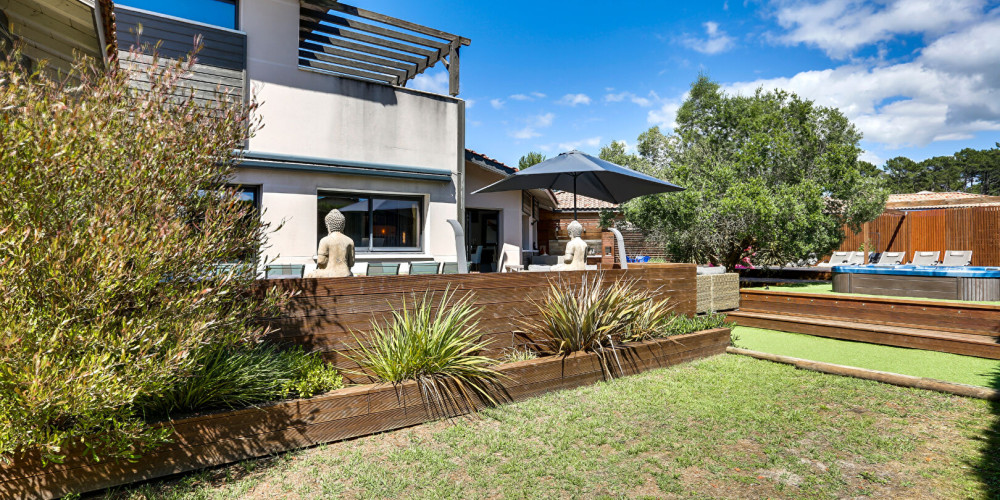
(935, 282)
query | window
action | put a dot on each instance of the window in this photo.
(222, 13)
(376, 223)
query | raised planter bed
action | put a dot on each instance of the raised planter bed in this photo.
(221, 438)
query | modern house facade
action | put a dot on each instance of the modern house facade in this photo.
(340, 128)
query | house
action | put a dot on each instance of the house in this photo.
(53, 30)
(493, 219)
(553, 222)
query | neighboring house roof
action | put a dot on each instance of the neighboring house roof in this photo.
(488, 164)
(925, 200)
(564, 202)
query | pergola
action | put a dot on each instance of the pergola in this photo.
(341, 39)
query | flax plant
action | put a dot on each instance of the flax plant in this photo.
(593, 316)
(437, 345)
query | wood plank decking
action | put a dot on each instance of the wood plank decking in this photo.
(969, 329)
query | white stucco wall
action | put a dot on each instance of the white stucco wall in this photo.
(508, 202)
(306, 113)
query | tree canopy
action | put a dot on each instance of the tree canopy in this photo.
(970, 170)
(770, 175)
(530, 159)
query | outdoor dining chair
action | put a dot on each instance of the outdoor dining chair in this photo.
(510, 259)
(383, 268)
(957, 258)
(424, 267)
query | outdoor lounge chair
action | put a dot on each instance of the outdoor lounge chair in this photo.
(891, 259)
(450, 268)
(925, 258)
(424, 267)
(383, 268)
(957, 258)
(510, 259)
(843, 259)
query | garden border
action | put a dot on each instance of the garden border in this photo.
(225, 437)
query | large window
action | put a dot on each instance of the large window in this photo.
(376, 223)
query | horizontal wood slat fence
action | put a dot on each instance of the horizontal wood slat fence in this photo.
(973, 228)
(220, 438)
(331, 314)
(969, 329)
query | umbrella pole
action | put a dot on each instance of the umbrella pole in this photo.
(574, 196)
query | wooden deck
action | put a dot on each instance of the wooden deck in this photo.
(969, 329)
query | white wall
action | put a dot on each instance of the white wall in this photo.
(509, 202)
(311, 114)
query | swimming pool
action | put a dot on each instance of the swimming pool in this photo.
(936, 282)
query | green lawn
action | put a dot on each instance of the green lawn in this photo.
(828, 288)
(724, 427)
(939, 365)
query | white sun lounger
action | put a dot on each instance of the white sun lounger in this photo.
(957, 258)
(891, 259)
(844, 259)
(925, 258)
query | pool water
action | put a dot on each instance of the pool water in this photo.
(909, 270)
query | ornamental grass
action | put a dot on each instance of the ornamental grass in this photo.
(437, 345)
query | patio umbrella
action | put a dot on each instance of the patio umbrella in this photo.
(581, 173)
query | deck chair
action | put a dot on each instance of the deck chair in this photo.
(891, 259)
(383, 268)
(424, 267)
(839, 259)
(957, 258)
(510, 259)
(925, 258)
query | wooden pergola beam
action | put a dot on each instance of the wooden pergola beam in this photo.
(404, 69)
(327, 5)
(311, 26)
(333, 68)
(370, 28)
(306, 51)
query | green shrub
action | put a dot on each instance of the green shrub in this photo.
(108, 251)
(244, 376)
(518, 354)
(437, 345)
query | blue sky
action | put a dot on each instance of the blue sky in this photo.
(918, 78)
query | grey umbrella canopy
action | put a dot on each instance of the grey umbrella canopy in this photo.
(581, 173)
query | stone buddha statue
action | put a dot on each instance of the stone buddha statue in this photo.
(335, 255)
(576, 250)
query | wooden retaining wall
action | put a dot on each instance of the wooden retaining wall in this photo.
(226, 437)
(327, 314)
(960, 328)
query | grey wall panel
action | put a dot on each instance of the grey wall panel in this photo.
(205, 80)
(222, 48)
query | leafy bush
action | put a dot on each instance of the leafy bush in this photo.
(681, 325)
(593, 316)
(244, 376)
(518, 354)
(108, 251)
(437, 345)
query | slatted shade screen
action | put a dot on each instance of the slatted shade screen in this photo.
(970, 228)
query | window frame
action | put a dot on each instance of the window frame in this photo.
(371, 197)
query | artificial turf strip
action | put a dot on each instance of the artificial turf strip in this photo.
(930, 364)
(828, 288)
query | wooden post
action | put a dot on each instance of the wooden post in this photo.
(453, 63)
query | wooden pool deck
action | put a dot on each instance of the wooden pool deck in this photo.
(959, 328)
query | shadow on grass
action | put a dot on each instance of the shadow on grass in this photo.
(988, 467)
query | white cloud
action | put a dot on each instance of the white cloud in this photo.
(839, 27)
(496, 103)
(643, 102)
(534, 123)
(574, 99)
(469, 103)
(436, 83)
(520, 97)
(665, 116)
(715, 41)
(538, 95)
(872, 158)
(592, 142)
